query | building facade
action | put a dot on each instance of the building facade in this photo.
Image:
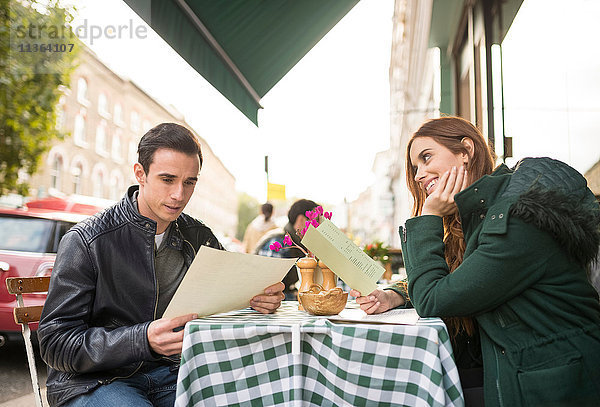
(504, 66)
(104, 117)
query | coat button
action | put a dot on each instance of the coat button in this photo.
(476, 189)
(147, 226)
(482, 216)
(482, 201)
(501, 215)
(493, 217)
(502, 351)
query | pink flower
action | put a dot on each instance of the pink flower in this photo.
(314, 223)
(327, 215)
(287, 240)
(303, 231)
(276, 246)
(319, 210)
(312, 214)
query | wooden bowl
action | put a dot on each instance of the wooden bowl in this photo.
(323, 302)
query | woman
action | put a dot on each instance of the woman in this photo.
(502, 257)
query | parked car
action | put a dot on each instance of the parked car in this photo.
(29, 238)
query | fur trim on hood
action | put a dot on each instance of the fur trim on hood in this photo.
(558, 202)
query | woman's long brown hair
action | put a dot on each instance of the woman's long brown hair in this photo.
(449, 132)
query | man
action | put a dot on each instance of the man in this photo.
(101, 331)
(296, 221)
(258, 227)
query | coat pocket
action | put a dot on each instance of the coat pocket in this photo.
(563, 385)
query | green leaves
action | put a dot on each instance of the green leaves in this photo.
(29, 87)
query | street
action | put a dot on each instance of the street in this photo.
(14, 372)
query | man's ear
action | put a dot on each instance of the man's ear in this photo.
(300, 222)
(470, 147)
(140, 174)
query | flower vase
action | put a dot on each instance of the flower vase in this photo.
(329, 279)
(306, 266)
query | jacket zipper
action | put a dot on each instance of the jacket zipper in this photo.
(112, 379)
(500, 403)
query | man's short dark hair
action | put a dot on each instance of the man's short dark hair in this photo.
(171, 136)
(299, 208)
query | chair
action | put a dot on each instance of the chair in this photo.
(26, 315)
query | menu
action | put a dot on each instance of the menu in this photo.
(220, 281)
(348, 261)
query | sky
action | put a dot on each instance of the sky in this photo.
(321, 125)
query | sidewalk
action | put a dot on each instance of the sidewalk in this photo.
(25, 401)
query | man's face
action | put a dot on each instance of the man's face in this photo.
(167, 187)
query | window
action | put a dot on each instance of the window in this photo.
(103, 105)
(77, 172)
(116, 146)
(79, 130)
(24, 234)
(135, 121)
(146, 126)
(55, 172)
(82, 92)
(118, 114)
(60, 113)
(116, 185)
(132, 152)
(101, 138)
(99, 184)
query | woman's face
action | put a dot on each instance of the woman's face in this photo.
(431, 160)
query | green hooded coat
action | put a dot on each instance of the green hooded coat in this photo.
(530, 233)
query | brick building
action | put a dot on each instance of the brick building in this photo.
(105, 116)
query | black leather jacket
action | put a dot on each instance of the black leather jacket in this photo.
(103, 295)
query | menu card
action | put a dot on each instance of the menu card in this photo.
(220, 281)
(398, 316)
(348, 261)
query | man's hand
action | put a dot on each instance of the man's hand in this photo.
(268, 302)
(378, 301)
(161, 337)
(441, 200)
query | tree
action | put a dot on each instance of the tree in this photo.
(36, 57)
(248, 209)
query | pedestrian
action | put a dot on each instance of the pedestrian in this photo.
(501, 255)
(258, 227)
(296, 221)
(101, 332)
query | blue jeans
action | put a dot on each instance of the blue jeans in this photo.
(152, 387)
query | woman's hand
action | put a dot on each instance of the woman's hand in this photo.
(441, 200)
(378, 301)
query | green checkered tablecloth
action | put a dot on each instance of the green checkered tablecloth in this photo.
(291, 358)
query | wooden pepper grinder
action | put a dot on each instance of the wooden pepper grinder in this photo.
(306, 266)
(328, 277)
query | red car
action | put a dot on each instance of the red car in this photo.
(29, 240)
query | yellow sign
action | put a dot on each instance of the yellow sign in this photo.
(275, 192)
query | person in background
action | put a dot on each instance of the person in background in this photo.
(101, 332)
(258, 227)
(296, 221)
(501, 255)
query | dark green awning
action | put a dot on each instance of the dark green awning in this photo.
(242, 47)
